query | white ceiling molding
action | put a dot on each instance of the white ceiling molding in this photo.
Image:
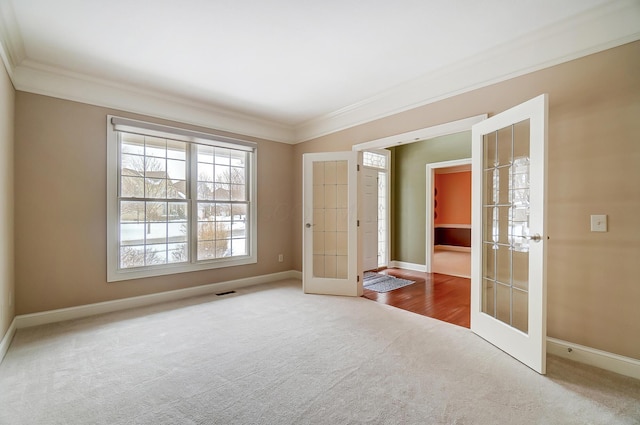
(10, 38)
(604, 27)
(36, 78)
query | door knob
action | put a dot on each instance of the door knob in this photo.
(308, 225)
(535, 238)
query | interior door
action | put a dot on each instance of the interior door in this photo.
(369, 218)
(331, 241)
(508, 283)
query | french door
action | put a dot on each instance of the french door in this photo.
(508, 285)
(331, 240)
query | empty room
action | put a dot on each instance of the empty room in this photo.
(203, 205)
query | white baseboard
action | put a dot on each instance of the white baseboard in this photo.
(591, 356)
(7, 338)
(408, 266)
(52, 316)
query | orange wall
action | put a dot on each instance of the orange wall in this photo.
(453, 198)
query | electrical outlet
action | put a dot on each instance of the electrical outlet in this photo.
(280, 258)
(599, 223)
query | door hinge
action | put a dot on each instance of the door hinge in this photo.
(358, 278)
(357, 223)
(357, 167)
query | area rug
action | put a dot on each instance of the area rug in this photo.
(384, 283)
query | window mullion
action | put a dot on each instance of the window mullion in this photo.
(192, 164)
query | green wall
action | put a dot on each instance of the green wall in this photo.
(408, 190)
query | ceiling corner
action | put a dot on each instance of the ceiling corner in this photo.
(13, 51)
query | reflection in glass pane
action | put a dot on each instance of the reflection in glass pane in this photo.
(501, 181)
(489, 148)
(503, 303)
(506, 221)
(505, 152)
(488, 297)
(521, 270)
(520, 310)
(503, 264)
(521, 138)
(488, 260)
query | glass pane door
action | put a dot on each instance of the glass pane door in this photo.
(508, 253)
(330, 219)
(505, 245)
(331, 240)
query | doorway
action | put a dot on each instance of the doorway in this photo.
(448, 218)
(375, 214)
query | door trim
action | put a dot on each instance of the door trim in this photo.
(426, 133)
(421, 134)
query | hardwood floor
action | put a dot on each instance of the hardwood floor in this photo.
(440, 296)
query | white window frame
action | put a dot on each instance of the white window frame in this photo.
(114, 272)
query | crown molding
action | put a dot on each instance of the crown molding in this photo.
(12, 47)
(613, 24)
(34, 77)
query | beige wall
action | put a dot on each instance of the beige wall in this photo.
(60, 170)
(594, 168)
(409, 191)
(7, 96)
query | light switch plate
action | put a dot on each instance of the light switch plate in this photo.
(599, 223)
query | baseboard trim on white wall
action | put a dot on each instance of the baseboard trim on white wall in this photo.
(7, 338)
(408, 266)
(53, 316)
(591, 356)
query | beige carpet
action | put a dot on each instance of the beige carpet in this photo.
(271, 355)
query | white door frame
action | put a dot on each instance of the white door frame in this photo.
(426, 133)
(430, 187)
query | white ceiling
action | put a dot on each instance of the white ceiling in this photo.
(291, 70)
